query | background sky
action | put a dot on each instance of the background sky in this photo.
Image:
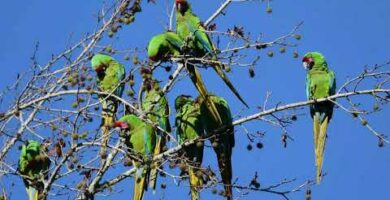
(350, 33)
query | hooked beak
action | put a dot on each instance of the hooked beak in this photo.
(305, 65)
(100, 69)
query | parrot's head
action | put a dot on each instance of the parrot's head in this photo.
(100, 63)
(314, 60)
(182, 6)
(31, 149)
(181, 100)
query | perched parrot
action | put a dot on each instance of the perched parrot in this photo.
(320, 83)
(223, 140)
(110, 76)
(141, 141)
(190, 126)
(157, 109)
(33, 165)
(190, 29)
(162, 47)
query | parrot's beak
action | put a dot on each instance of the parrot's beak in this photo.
(305, 65)
(99, 69)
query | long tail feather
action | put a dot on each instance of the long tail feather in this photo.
(218, 68)
(225, 168)
(155, 166)
(197, 80)
(140, 184)
(321, 147)
(107, 121)
(195, 183)
(109, 108)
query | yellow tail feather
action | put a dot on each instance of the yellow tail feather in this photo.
(319, 144)
(195, 183)
(109, 108)
(139, 187)
(32, 193)
(218, 69)
(155, 166)
(197, 80)
(108, 120)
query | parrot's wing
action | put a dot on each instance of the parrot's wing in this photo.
(200, 36)
(164, 115)
(332, 81)
(121, 73)
(308, 92)
(178, 124)
(175, 42)
(149, 141)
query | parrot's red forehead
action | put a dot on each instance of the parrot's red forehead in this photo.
(180, 1)
(307, 59)
(121, 124)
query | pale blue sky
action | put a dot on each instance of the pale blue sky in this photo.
(350, 33)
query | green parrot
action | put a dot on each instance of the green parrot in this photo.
(33, 165)
(190, 29)
(110, 76)
(223, 140)
(320, 83)
(157, 112)
(163, 46)
(141, 141)
(190, 126)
